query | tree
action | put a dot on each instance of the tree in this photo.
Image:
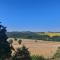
(22, 54)
(10, 41)
(15, 39)
(5, 50)
(19, 41)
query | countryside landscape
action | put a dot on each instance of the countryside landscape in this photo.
(29, 29)
(43, 44)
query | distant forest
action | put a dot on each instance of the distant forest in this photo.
(33, 35)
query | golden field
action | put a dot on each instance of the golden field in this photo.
(41, 48)
(50, 34)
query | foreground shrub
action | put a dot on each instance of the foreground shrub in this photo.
(19, 41)
(22, 54)
(38, 58)
(10, 41)
(57, 54)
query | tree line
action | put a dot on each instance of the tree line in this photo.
(32, 35)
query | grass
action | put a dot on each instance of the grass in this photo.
(35, 57)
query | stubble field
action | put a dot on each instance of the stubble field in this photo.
(41, 48)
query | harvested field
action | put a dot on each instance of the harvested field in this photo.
(41, 48)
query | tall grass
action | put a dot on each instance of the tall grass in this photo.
(38, 57)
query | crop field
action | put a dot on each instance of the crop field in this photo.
(50, 34)
(41, 48)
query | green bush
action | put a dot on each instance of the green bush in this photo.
(22, 54)
(38, 58)
(57, 54)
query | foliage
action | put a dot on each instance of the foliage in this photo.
(35, 35)
(19, 41)
(15, 39)
(22, 54)
(57, 54)
(5, 50)
(38, 58)
(10, 41)
(27, 35)
(56, 38)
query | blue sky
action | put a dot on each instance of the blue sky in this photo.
(30, 15)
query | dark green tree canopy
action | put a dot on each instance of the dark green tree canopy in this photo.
(5, 50)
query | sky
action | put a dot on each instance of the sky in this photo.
(30, 15)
